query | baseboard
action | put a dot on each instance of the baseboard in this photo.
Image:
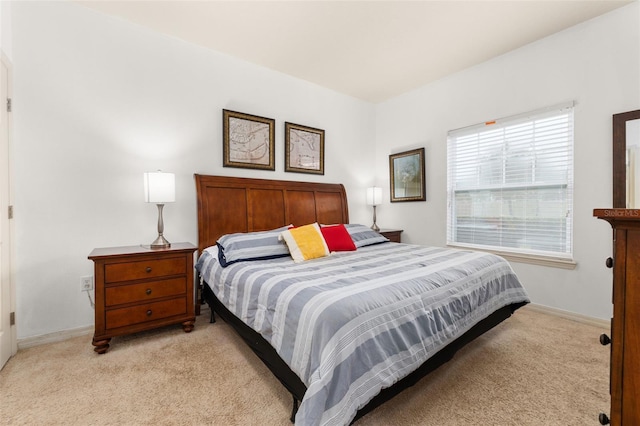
(58, 336)
(584, 319)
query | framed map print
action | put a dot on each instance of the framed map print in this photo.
(406, 173)
(303, 149)
(248, 141)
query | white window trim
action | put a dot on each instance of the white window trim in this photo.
(550, 261)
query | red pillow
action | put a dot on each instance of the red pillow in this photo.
(337, 238)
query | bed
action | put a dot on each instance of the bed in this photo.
(346, 332)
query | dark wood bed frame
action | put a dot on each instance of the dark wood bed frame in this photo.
(228, 204)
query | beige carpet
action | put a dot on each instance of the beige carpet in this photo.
(533, 369)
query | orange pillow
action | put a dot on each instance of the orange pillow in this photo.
(337, 238)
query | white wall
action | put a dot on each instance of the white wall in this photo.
(597, 64)
(5, 29)
(98, 101)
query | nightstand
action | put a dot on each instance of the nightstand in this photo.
(138, 289)
(392, 234)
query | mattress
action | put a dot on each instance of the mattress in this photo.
(353, 323)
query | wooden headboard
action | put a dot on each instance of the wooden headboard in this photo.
(229, 204)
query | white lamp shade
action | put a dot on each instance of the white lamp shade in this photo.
(159, 187)
(374, 196)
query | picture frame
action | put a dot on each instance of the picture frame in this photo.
(248, 141)
(303, 149)
(406, 175)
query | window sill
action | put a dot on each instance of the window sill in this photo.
(552, 262)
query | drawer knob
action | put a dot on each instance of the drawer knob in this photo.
(604, 419)
(604, 340)
(148, 291)
(149, 312)
(609, 262)
(148, 269)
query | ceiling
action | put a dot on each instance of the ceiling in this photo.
(371, 50)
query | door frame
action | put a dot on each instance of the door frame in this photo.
(8, 239)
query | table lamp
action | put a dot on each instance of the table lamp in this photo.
(374, 198)
(160, 188)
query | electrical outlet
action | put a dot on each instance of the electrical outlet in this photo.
(86, 283)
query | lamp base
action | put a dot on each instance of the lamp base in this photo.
(160, 243)
(374, 226)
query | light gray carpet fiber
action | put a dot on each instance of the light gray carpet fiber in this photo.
(533, 369)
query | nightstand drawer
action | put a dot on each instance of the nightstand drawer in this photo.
(145, 313)
(128, 271)
(119, 295)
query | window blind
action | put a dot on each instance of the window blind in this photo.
(510, 184)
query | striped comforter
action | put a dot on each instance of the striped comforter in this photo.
(354, 323)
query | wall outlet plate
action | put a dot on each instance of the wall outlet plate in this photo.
(86, 283)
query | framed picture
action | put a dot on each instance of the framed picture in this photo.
(248, 141)
(303, 149)
(406, 173)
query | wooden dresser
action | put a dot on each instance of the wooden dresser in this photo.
(138, 289)
(625, 325)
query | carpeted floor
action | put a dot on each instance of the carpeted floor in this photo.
(533, 369)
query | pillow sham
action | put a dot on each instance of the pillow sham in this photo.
(363, 235)
(337, 238)
(250, 246)
(305, 242)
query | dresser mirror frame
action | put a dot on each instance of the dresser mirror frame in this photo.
(620, 156)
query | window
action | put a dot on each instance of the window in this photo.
(510, 184)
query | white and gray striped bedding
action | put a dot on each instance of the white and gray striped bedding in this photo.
(353, 323)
